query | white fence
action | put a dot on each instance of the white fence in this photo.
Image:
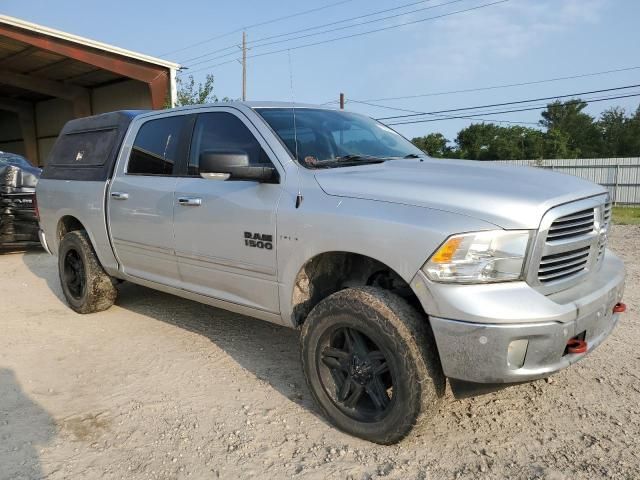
(621, 176)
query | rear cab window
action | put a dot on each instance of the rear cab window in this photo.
(158, 146)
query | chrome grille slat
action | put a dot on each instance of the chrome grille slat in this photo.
(587, 221)
(564, 255)
(563, 273)
(584, 213)
(563, 221)
(574, 232)
(563, 266)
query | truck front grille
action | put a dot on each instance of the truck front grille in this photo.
(571, 226)
(571, 243)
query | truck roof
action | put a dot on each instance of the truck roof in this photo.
(240, 105)
(87, 148)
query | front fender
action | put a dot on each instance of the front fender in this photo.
(400, 236)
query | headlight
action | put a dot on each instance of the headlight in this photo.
(482, 257)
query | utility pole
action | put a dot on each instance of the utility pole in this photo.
(244, 66)
(341, 101)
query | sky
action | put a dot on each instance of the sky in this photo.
(515, 41)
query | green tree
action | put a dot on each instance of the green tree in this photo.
(583, 135)
(188, 93)
(613, 125)
(631, 136)
(488, 141)
(435, 144)
(556, 145)
(476, 141)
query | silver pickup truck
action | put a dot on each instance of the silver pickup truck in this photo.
(399, 270)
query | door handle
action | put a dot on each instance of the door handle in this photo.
(189, 202)
(119, 195)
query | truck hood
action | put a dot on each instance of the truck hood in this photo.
(507, 196)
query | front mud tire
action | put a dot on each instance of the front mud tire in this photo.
(86, 286)
(389, 336)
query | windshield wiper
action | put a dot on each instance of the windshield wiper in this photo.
(347, 160)
(412, 155)
(353, 156)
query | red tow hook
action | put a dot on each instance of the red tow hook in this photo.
(619, 308)
(575, 345)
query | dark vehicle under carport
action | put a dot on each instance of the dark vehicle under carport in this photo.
(18, 215)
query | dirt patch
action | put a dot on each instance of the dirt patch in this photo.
(161, 387)
(85, 427)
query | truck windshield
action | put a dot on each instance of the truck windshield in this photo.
(330, 138)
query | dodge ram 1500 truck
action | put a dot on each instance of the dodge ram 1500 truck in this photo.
(399, 270)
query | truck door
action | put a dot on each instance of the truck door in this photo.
(141, 198)
(225, 231)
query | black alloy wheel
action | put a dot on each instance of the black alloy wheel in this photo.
(355, 374)
(74, 274)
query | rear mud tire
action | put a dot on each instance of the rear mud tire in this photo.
(86, 286)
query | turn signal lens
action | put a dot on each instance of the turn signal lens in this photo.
(446, 252)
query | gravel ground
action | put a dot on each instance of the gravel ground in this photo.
(160, 387)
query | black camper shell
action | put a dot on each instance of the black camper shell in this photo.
(87, 148)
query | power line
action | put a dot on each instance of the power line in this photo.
(526, 109)
(331, 40)
(259, 24)
(306, 29)
(444, 117)
(333, 30)
(496, 87)
(358, 17)
(500, 112)
(253, 42)
(460, 109)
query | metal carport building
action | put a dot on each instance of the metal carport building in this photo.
(48, 77)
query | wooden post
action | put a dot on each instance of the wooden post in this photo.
(615, 185)
(30, 136)
(244, 66)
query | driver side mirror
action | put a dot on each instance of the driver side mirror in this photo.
(234, 165)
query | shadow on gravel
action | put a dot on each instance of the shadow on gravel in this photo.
(268, 351)
(24, 427)
(39, 262)
(462, 390)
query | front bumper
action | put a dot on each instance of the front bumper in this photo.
(476, 348)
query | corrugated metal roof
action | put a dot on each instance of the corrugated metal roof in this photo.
(33, 27)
